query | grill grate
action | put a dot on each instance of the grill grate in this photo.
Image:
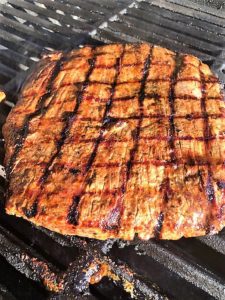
(185, 269)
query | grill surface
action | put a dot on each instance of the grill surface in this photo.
(185, 269)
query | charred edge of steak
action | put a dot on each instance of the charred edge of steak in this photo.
(39, 110)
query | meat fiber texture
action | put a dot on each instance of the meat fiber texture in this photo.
(117, 141)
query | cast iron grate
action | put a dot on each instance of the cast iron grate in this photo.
(185, 269)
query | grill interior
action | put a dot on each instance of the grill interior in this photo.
(36, 258)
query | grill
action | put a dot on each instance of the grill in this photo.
(39, 264)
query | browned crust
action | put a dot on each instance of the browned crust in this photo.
(119, 140)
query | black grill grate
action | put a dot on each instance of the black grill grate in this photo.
(185, 269)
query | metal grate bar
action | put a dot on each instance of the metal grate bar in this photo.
(197, 7)
(113, 37)
(183, 28)
(9, 37)
(216, 242)
(25, 259)
(29, 32)
(95, 7)
(142, 262)
(84, 14)
(30, 265)
(13, 58)
(38, 22)
(174, 259)
(126, 31)
(143, 21)
(190, 11)
(7, 70)
(5, 293)
(14, 285)
(47, 13)
(179, 17)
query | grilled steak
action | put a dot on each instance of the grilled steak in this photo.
(118, 140)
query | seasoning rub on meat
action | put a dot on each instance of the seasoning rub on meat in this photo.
(117, 141)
